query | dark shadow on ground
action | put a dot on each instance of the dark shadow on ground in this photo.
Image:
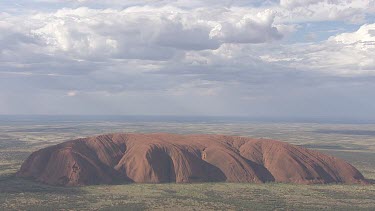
(9, 183)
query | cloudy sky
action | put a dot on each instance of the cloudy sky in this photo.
(275, 58)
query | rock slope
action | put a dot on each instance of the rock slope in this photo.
(162, 158)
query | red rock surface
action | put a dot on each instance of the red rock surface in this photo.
(160, 158)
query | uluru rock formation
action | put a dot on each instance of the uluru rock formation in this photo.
(160, 158)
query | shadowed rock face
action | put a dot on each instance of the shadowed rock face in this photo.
(160, 158)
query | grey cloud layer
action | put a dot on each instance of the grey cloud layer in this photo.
(170, 54)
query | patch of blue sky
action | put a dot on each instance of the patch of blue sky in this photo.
(370, 18)
(320, 31)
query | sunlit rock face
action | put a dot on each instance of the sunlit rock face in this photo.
(164, 158)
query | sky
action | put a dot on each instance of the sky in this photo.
(286, 58)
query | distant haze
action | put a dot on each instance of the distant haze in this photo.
(284, 59)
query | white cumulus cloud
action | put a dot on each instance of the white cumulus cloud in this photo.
(149, 32)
